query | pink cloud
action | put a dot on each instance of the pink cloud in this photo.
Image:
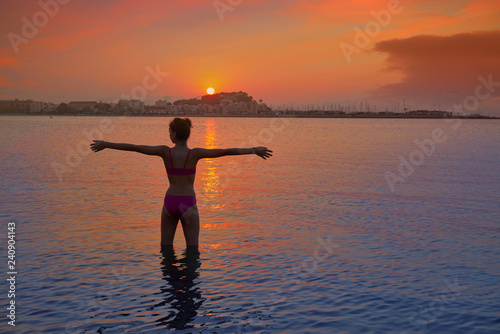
(441, 70)
(4, 81)
(98, 49)
(9, 61)
(30, 83)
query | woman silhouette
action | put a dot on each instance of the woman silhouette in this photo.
(180, 198)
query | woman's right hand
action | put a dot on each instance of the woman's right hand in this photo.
(97, 145)
(263, 152)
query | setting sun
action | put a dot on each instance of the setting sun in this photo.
(210, 91)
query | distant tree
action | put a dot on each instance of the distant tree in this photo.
(192, 102)
(212, 99)
(63, 108)
(103, 107)
(215, 99)
(243, 97)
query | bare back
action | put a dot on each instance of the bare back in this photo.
(180, 164)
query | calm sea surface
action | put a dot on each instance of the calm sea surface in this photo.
(353, 226)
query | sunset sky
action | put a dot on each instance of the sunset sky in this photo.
(430, 54)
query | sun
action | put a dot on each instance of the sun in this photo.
(210, 91)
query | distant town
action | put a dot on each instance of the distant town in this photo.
(220, 104)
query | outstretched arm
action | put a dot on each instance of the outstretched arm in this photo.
(99, 145)
(262, 152)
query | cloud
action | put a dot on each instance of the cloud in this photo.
(30, 83)
(441, 70)
(95, 49)
(4, 81)
(9, 61)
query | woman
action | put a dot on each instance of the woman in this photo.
(180, 199)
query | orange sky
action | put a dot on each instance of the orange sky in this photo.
(298, 52)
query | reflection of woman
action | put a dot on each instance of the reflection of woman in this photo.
(182, 291)
(180, 199)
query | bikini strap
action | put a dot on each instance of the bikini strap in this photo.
(170, 153)
(185, 162)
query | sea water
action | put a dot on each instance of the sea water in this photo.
(353, 226)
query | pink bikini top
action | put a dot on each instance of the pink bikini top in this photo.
(180, 171)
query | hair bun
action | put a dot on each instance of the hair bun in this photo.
(188, 122)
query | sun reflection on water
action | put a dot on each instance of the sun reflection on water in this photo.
(210, 176)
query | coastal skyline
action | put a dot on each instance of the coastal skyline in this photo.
(430, 55)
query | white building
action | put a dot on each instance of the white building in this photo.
(35, 106)
(135, 105)
(161, 103)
